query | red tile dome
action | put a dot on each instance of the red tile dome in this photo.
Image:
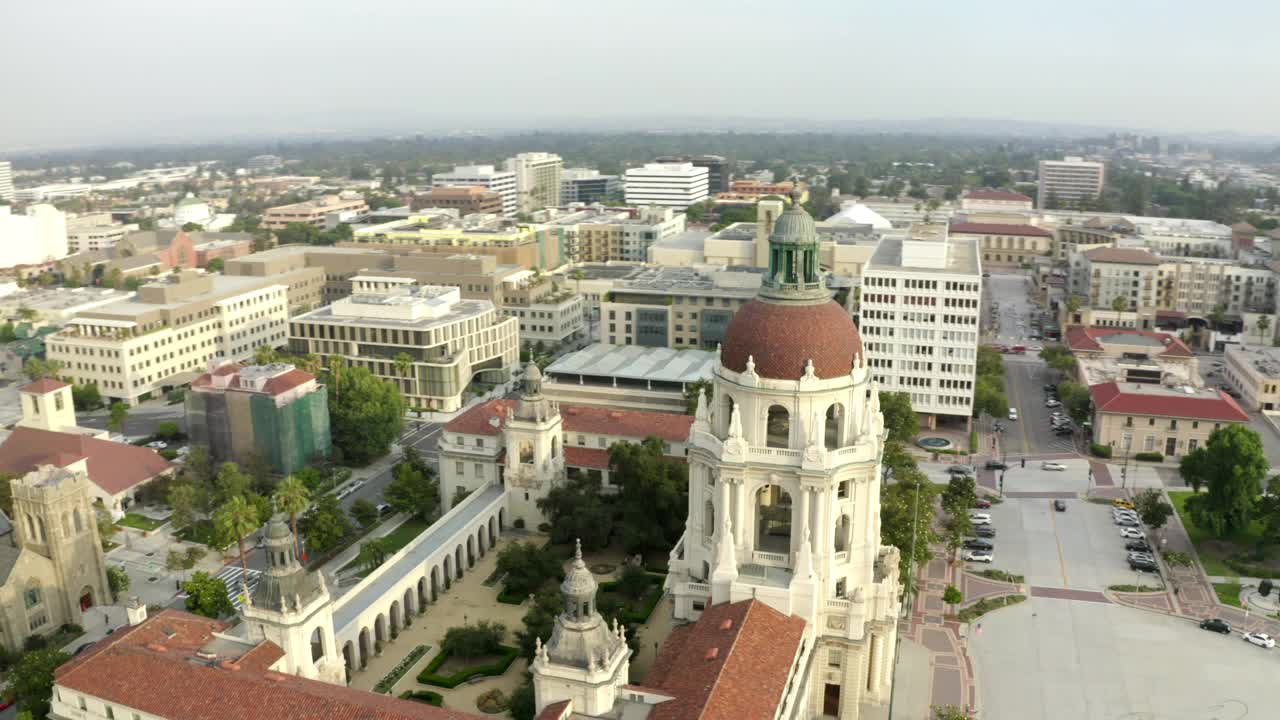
(781, 338)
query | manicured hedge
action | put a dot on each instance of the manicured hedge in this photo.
(512, 598)
(428, 676)
(429, 697)
(1149, 456)
(632, 616)
(390, 679)
(1099, 450)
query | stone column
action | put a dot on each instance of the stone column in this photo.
(876, 667)
(740, 511)
(804, 517)
(723, 502)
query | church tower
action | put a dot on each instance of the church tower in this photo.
(586, 660)
(535, 459)
(784, 478)
(47, 405)
(291, 608)
(53, 517)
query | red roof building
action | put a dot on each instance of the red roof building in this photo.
(116, 470)
(631, 425)
(1007, 196)
(1095, 339)
(1134, 418)
(965, 228)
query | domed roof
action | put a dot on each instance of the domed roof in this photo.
(579, 584)
(278, 529)
(781, 338)
(794, 226)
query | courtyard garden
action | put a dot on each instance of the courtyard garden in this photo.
(1239, 553)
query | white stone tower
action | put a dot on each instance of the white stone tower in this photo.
(47, 405)
(586, 660)
(291, 608)
(784, 478)
(535, 459)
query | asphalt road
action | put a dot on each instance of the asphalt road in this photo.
(142, 420)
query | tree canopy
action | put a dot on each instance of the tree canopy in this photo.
(576, 509)
(30, 682)
(653, 494)
(366, 414)
(899, 419)
(207, 596)
(413, 488)
(1230, 467)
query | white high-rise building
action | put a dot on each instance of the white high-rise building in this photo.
(537, 179)
(39, 236)
(676, 185)
(920, 319)
(502, 182)
(6, 181)
(1070, 180)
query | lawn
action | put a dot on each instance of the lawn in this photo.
(141, 522)
(1228, 593)
(398, 538)
(1214, 552)
(201, 532)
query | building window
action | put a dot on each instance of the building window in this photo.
(33, 596)
(479, 468)
(835, 658)
(461, 467)
(57, 401)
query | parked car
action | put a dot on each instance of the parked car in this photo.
(981, 556)
(1122, 503)
(984, 531)
(1131, 533)
(1260, 639)
(1060, 505)
(1138, 545)
(1055, 466)
(1051, 388)
(157, 444)
(1013, 413)
(1128, 522)
(384, 508)
(1216, 625)
(975, 516)
(1142, 556)
(1052, 403)
(1143, 565)
(981, 520)
(978, 545)
(960, 470)
(982, 504)
(996, 465)
(1064, 430)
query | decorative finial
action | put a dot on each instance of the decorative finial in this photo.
(577, 549)
(796, 195)
(751, 364)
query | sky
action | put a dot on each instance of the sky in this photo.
(92, 72)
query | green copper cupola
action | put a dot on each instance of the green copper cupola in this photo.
(793, 258)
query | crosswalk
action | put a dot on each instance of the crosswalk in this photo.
(230, 576)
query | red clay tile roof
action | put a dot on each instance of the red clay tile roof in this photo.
(999, 229)
(746, 677)
(112, 466)
(287, 381)
(554, 711)
(996, 195)
(586, 457)
(782, 338)
(1090, 339)
(635, 424)
(155, 674)
(1131, 256)
(42, 386)
(1113, 398)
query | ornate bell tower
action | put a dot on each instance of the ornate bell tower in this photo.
(535, 459)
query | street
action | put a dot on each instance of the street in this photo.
(142, 419)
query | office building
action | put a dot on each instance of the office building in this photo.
(1132, 418)
(675, 307)
(52, 192)
(466, 199)
(56, 305)
(537, 179)
(999, 201)
(35, 238)
(583, 185)
(277, 412)
(1117, 278)
(1070, 181)
(450, 341)
(1254, 372)
(6, 181)
(920, 318)
(94, 232)
(1007, 245)
(163, 337)
(627, 377)
(502, 182)
(260, 163)
(676, 185)
(529, 245)
(313, 212)
(614, 234)
(719, 173)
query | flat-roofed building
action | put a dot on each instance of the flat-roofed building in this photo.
(584, 185)
(628, 377)
(450, 341)
(465, 199)
(529, 245)
(1069, 181)
(313, 212)
(537, 179)
(988, 200)
(599, 234)
(719, 169)
(57, 305)
(1119, 354)
(1254, 372)
(163, 336)
(676, 307)
(920, 304)
(676, 185)
(1133, 418)
(1007, 245)
(488, 177)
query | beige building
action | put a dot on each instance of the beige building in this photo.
(465, 199)
(1254, 371)
(529, 245)
(1069, 181)
(448, 341)
(999, 201)
(1106, 274)
(613, 234)
(1073, 239)
(313, 212)
(675, 307)
(1006, 245)
(1133, 418)
(842, 250)
(51, 565)
(1120, 354)
(537, 179)
(163, 337)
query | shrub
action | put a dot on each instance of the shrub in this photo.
(634, 583)
(1100, 450)
(492, 702)
(423, 696)
(519, 523)
(428, 676)
(986, 605)
(389, 680)
(168, 454)
(1149, 457)
(1002, 576)
(469, 641)
(973, 442)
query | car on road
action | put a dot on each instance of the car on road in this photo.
(1122, 503)
(157, 444)
(996, 465)
(384, 508)
(1013, 413)
(1138, 546)
(981, 556)
(1055, 466)
(1143, 565)
(1051, 388)
(1052, 403)
(1064, 430)
(984, 531)
(982, 504)
(1260, 639)
(1215, 625)
(1060, 505)
(978, 545)
(1131, 533)
(960, 470)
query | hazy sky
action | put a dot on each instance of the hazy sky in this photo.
(94, 71)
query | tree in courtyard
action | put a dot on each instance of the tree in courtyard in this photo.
(1152, 508)
(86, 397)
(265, 355)
(899, 419)
(952, 596)
(539, 620)
(117, 581)
(373, 553)
(1263, 323)
(207, 596)
(652, 494)
(292, 497)
(179, 561)
(1230, 467)
(30, 682)
(326, 524)
(576, 509)
(413, 490)
(231, 483)
(365, 414)
(183, 501)
(234, 520)
(525, 567)
(474, 640)
(404, 364)
(364, 512)
(1073, 307)
(119, 413)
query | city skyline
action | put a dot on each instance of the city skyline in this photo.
(342, 70)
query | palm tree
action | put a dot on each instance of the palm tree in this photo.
(235, 519)
(1264, 322)
(293, 497)
(404, 363)
(1073, 307)
(309, 362)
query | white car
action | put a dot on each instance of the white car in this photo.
(157, 444)
(1051, 403)
(981, 556)
(1013, 413)
(1052, 466)
(980, 520)
(1262, 640)
(1129, 533)
(975, 516)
